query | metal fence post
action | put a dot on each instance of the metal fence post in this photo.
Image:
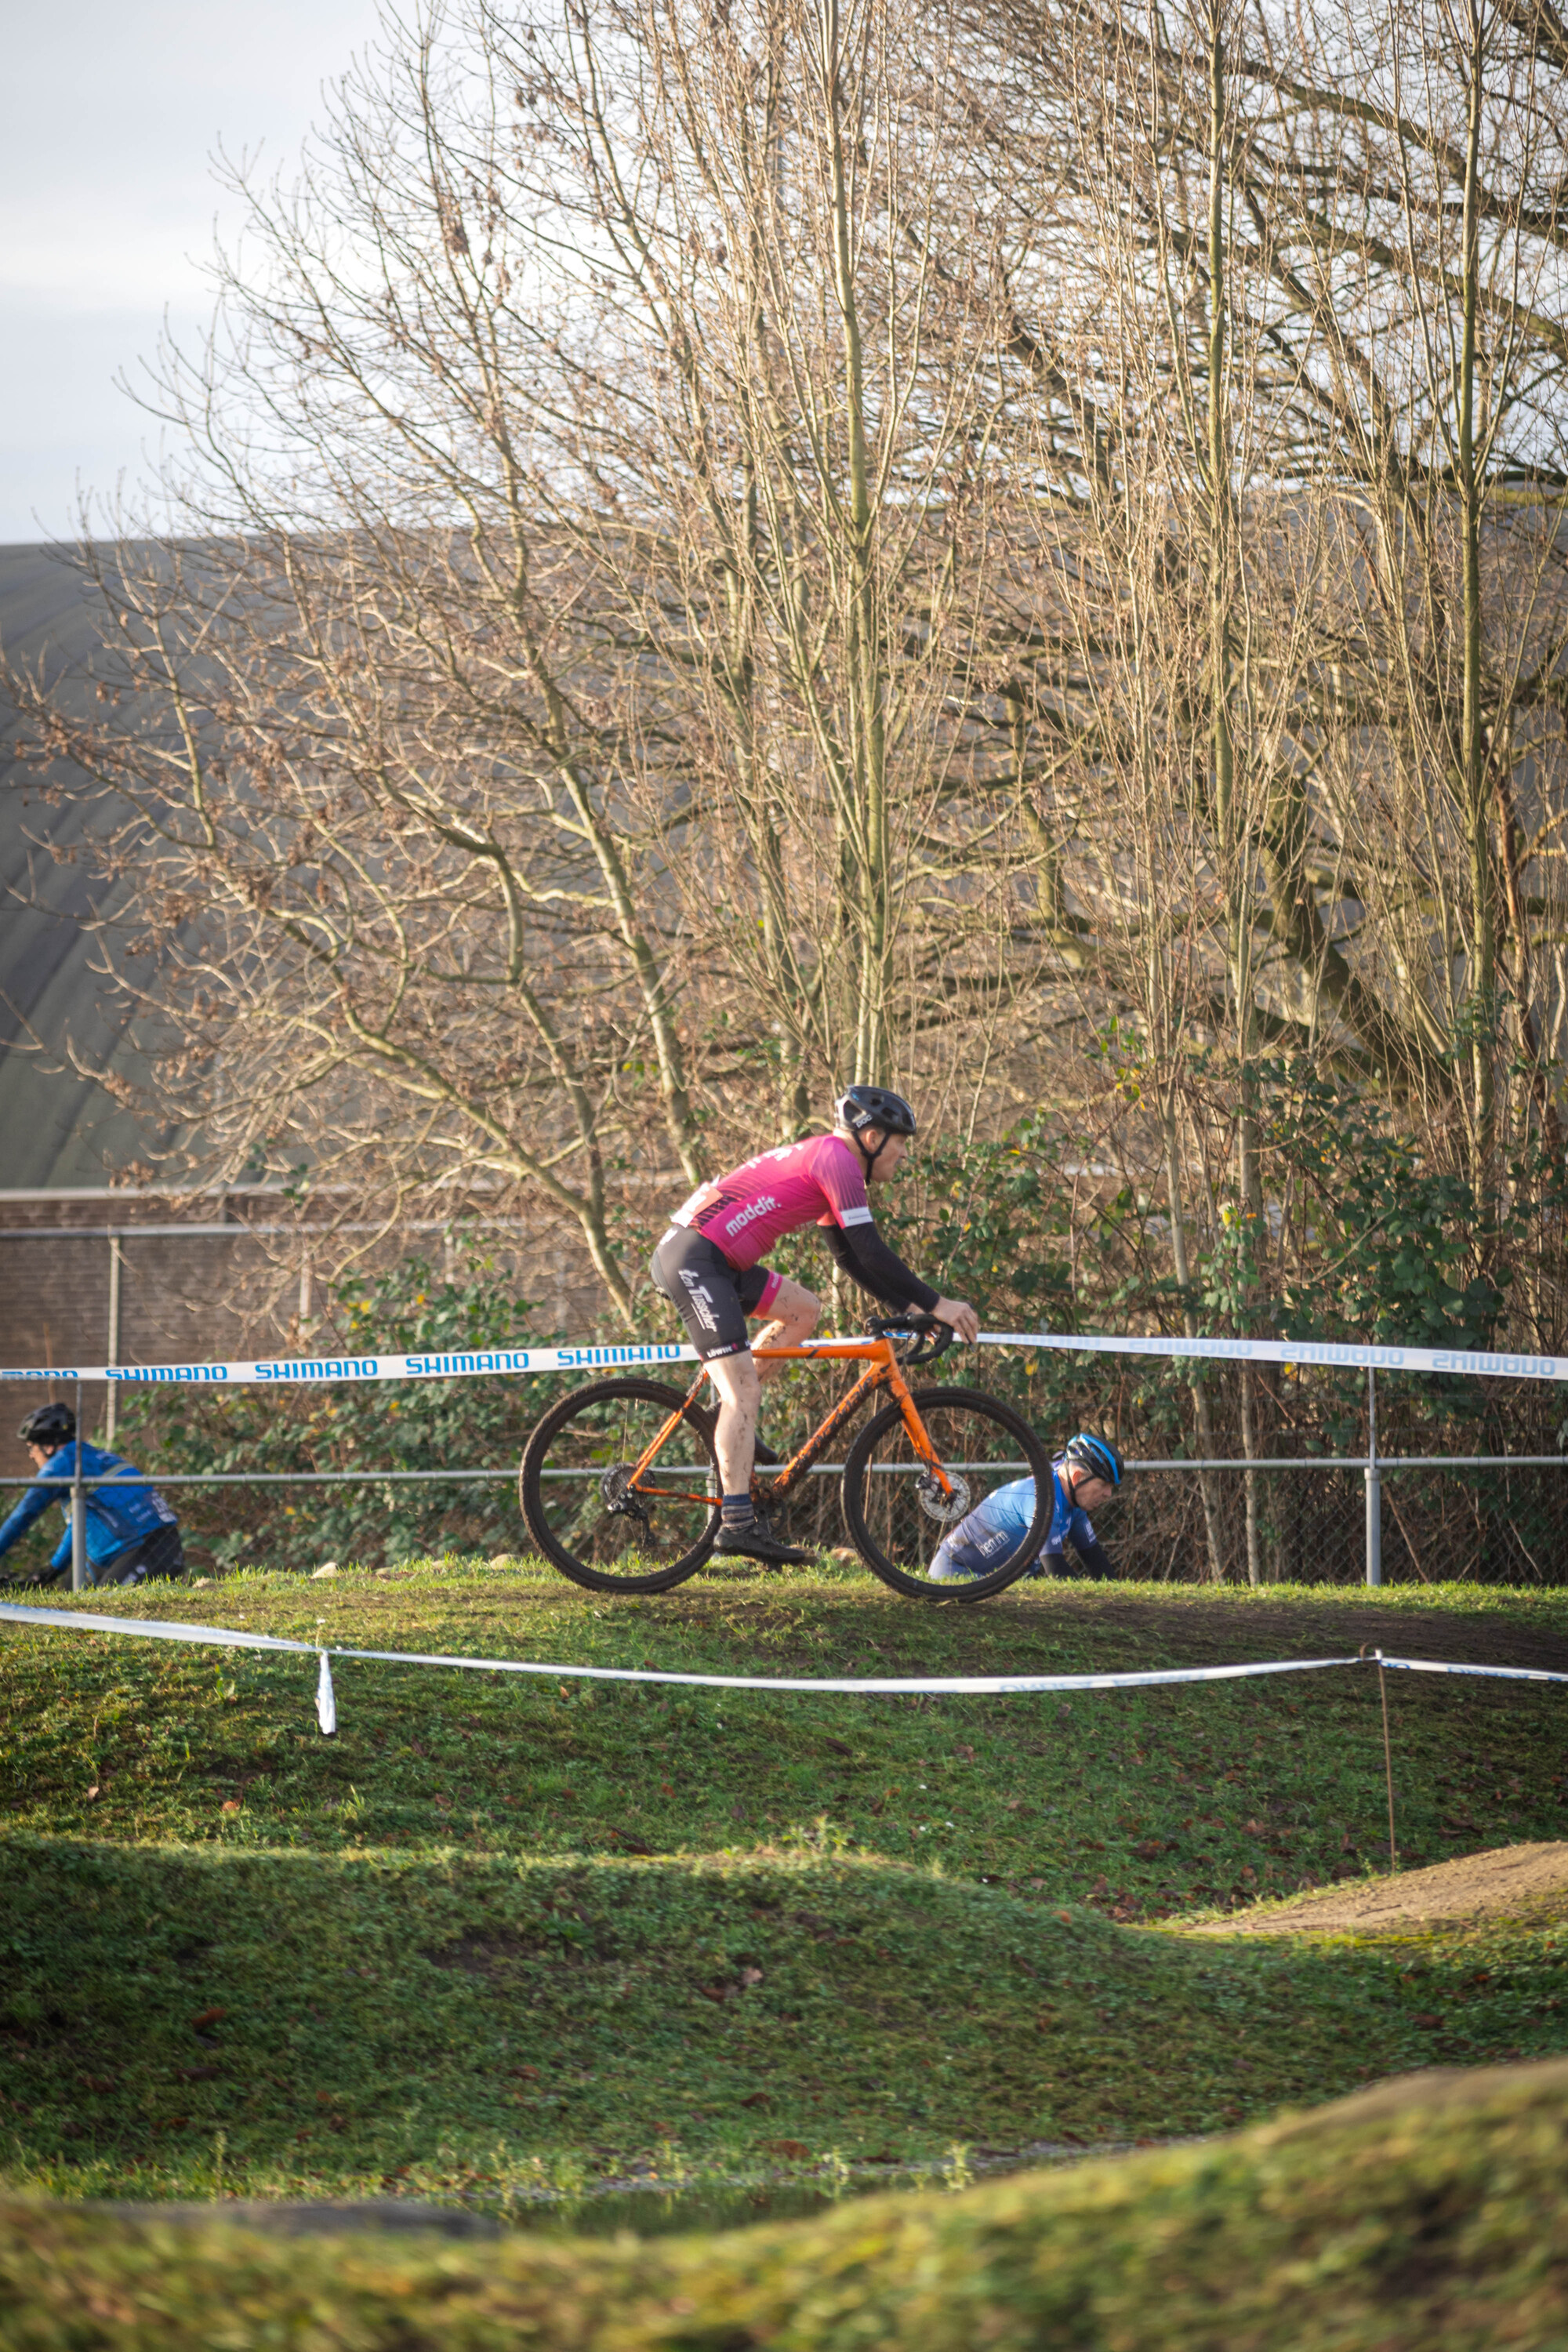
(110, 1401)
(79, 1507)
(1374, 1487)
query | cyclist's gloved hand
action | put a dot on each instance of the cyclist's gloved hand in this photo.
(959, 1313)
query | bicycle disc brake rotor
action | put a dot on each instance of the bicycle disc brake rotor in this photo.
(949, 1508)
(616, 1489)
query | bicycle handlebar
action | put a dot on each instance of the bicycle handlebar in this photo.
(931, 1337)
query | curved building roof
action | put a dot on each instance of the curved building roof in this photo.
(57, 1129)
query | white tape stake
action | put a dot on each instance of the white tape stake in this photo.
(326, 1699)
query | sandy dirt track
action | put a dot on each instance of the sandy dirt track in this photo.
(1506, 1883)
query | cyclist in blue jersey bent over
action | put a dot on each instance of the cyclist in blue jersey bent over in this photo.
(1086, 1476)
(132, 1533)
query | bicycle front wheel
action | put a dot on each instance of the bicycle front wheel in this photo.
(896, 1509)
(589, 1512)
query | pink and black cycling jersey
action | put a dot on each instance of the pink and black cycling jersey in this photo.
(820, 1181)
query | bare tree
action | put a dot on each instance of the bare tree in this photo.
(727, 552)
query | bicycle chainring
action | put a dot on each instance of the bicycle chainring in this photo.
(947, 1509)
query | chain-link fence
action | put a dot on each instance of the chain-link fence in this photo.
(283, 1480)
(1485, 1519)
(1482, 1518)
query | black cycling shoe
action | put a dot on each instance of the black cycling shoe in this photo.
(754, 1541)
(705, 1416)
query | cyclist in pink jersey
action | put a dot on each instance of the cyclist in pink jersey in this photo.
(707, 1266)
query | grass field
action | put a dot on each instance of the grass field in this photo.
(1425, 2217)
(503, 1937)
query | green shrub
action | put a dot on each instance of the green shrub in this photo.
(413, 1425)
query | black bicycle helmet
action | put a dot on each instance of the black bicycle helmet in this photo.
(1097, 1453)
(859, 1107)
(48, 1424)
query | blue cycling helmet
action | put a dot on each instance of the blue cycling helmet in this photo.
(1095, 1453)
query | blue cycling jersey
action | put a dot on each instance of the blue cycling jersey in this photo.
(994, 1529)
(116, 1516)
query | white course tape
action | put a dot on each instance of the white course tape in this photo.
(888, 1685)
(1348, 1355)
(309, 1369)
(73, 1620)
(1335, 1354)
(869, 1685)
(90, 1621)
(1440, 1666)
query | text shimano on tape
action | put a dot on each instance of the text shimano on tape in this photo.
(492, 1363)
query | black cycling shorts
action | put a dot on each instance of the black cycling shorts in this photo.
(713, 1298)
(162, 1553)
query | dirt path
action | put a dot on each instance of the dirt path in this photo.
(1507, 1883)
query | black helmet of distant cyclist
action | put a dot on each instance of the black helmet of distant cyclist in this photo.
(859, 1107)
(1095, 1453)
(48, 1424)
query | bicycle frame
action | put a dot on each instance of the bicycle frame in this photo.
(884, 1371)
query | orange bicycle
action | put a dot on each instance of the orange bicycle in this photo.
(620, 1485)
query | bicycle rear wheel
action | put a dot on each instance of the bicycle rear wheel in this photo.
(895, 1510)
(585, 1511)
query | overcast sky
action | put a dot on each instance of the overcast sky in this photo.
(109, 118)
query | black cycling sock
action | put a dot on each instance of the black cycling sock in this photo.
(738, 1511)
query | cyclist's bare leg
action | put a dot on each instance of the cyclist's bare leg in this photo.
(792, 1318)
(735, 1434)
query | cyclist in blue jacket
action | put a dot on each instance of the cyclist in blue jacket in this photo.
(1085, 1477)
(132, 1533)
